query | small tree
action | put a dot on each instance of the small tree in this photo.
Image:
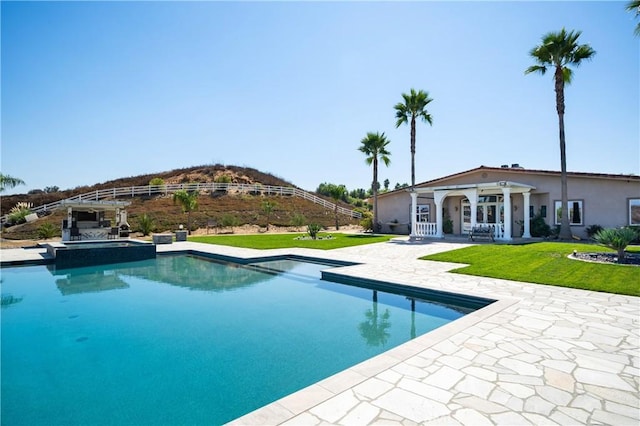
(267, 208)
(616, 238)
(313, 229)
(146, 224)
(47, 230)
(188, 201)
(337, 192)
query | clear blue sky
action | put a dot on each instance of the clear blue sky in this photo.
(94, 91)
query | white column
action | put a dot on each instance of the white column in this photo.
(438, 197)
(472, 196)
(506, 192)
(414, 207)
(526, 233)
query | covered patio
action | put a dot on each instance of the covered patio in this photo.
(475, 198)
(88, 220)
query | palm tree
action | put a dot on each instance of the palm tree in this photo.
(7, 181)
(560, 50)
(634, 6)
(375, 328)
(188, 201)
(374, 146)
(337, 192)
(414, 106)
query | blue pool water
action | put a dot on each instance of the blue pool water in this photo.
(183, 340)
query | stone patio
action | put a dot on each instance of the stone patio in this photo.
(540, 355)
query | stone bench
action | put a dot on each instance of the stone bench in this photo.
(482, 232)
(162, 238)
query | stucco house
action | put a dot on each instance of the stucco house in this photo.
(505, 199)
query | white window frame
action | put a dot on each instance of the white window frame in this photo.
(423, 213)
(634, 211)
(570, 204)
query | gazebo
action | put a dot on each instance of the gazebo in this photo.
(87, 220)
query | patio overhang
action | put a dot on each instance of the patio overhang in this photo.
(90, 205)
(483, 188)
(472, 192)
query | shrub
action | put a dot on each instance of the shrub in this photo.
(539, 227)
(228, 220)
(593, 230)
(313, 229)
(146, 224)
(223, 179)
(635, 229)
(156, 181)
(47, 230)
(616, 238)
(367, 221)
(18, 212)
(298, 220)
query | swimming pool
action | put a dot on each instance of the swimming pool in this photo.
(184, 340)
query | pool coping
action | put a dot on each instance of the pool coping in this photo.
(290, 406)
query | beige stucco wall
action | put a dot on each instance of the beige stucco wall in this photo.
(604, 198)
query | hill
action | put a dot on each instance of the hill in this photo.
(219, 208)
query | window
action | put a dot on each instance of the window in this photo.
(422, 215)
(634, 211)
(575, 212)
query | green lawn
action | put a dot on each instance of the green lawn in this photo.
(545, 263)
(275, 241)
(542, 263)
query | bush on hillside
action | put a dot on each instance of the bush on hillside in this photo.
(146, 224)
(19, 212)
(48, 230)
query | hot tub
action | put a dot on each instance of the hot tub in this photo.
(86, 253)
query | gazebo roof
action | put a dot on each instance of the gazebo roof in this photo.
(94, 205)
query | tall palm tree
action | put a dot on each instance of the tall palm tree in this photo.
(188, 201)
(374, 146)
(7, 181)
(414, 106)
(634, 6)
(560, 50)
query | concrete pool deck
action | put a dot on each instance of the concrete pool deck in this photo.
(540, 355)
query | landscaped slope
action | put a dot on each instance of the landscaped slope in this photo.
(218, 207)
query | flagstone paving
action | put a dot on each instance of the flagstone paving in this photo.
(539, 355)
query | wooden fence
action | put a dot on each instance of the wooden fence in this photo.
(132, 191)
